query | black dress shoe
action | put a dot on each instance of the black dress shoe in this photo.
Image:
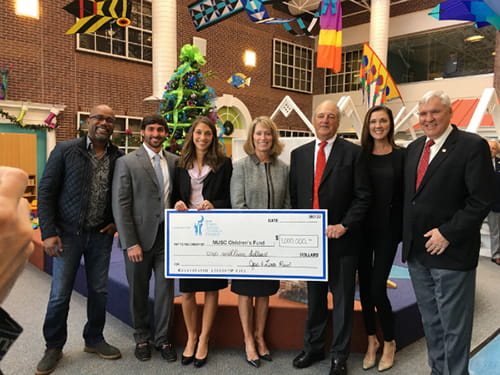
(254, 362)
(143, 351)
(266, 357)
(338, 368)
(200, 362)
(167, 352)
(306, 359)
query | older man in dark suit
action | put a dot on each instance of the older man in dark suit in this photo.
(142, 187)
(329, 173)
(448, 192)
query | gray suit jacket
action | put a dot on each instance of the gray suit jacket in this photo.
(249, 188)
(136, 198)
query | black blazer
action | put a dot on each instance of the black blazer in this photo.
(344, 190)
(215, 186)
(454, 196)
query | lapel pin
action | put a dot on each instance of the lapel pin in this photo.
(443, 150)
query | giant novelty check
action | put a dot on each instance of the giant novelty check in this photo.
(246, 244)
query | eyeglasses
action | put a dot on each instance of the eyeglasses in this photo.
(100, 118)
(330, 116)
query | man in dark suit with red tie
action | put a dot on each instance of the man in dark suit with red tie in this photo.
(329, 173)
(449, 188)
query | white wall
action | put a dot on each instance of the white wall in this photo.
(469, 87)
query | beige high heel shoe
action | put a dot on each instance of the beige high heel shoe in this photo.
(388, 354)
(371, 353)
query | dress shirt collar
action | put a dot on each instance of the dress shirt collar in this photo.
(151, 153)
(328, 141)
(438, 142)
(90, 145)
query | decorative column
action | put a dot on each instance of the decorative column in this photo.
(164, 43)
(379, 28)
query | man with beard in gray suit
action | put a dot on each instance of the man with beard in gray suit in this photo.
(142, 187)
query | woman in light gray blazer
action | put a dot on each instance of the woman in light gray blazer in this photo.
(259, 181)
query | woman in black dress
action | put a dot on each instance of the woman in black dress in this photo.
(260, 180)
(382, 232)
(201, 182)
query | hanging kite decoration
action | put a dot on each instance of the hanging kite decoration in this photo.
(257, 13)
(478, 11)
(95, 15)
(239, 80)
(330, 36)
(205, 13)
(374, 75)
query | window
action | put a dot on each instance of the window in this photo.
(442, 54)
(294, 133)
(348, 78)
(134, 42)
(127, 133)
(439, 54)
(292, 66)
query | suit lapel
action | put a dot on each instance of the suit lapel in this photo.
(145, 162)
(331, 165)
(412, 162)
(442, 154)
(308, 169)
(170, 163)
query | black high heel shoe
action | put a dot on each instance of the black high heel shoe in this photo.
(266, 357)
(254, 362)
(200, 362)
(187, 360)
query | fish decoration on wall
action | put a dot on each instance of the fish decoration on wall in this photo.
(239, 80)
(95, 15)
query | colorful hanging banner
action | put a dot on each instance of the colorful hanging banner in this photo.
(374, 74)
(330, 36)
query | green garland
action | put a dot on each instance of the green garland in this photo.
(21, 125)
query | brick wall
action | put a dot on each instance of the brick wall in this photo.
(226, 42)
(48, 69)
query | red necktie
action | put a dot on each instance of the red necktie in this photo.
(424, 162)
(318, 173)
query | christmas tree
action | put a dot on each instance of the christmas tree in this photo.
(186, 97)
